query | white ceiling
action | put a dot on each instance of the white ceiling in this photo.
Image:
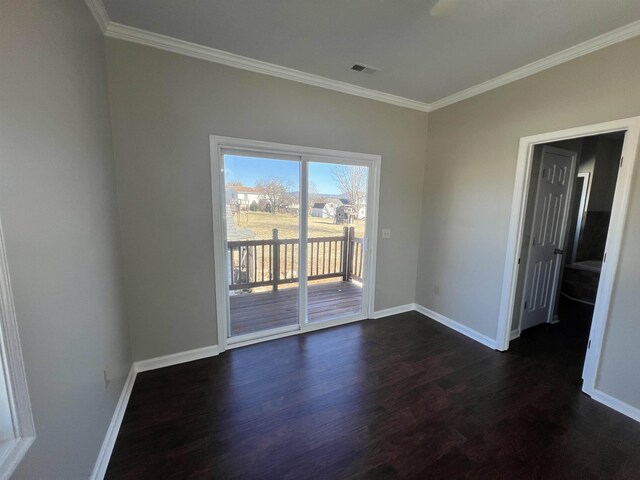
(420, 57)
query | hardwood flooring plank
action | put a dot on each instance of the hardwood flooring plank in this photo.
(399, 397)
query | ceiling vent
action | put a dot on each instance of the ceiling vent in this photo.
(361, 68)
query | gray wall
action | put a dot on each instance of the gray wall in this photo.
(164, 107)
(57, 201)
(472, 148)
(605, 174)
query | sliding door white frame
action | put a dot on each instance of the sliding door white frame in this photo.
(305, 155)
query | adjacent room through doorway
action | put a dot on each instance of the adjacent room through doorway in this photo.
(569, 205)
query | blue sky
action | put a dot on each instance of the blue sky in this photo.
(250, 170)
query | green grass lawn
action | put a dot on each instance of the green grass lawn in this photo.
(262, 224)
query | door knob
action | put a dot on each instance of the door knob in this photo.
(558, 251)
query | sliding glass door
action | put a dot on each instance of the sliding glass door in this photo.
(294, 245)
(262, 201)
(336, 236)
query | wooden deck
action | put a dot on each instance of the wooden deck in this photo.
(254, 312)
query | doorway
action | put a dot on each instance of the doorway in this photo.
(566, 232)
(294, 232)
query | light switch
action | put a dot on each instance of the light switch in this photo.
(386, 233)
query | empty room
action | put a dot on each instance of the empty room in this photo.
(319, 239)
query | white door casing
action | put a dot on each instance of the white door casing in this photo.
(621, 201)
(555, 182)
(18, 429)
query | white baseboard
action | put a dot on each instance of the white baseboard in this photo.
(458, 327)
(11, 453)
(104, 455)
(176, 358)
(100, 468)
(597, 395)
(394, 310)
(618, 405)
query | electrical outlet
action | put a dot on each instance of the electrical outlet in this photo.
(114, 371)
(386, 233)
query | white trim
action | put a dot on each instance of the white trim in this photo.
(614, 237)
(218, 191)
(12, 453)
(250, 338)
(394, 310)
(597, 43)
(303, 239)
(99, 14)
(618, 405)
(170, 44)
(371, 241)
(100, 467)
(11, 353)
(310, 327)
(15, 379)
(458, 327)
(514, 334)
(106, 450)
(612, 253)
(305, 155)
(175, 358)
(409, 307)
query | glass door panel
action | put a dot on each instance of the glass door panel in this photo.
(262, 202)
(336, 226)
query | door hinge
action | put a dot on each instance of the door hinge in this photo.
(518, 261)
(604, 259)
(621, 160)
(525, 305)
(589, 345)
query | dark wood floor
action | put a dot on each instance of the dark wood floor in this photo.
(256, 312)
(399, 397)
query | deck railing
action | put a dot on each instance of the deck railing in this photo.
(274, 262)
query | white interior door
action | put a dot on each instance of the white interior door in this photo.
(555, 180)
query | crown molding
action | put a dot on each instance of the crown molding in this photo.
(131, 34)
(615, 36)
(99, 13)
(170, 44)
